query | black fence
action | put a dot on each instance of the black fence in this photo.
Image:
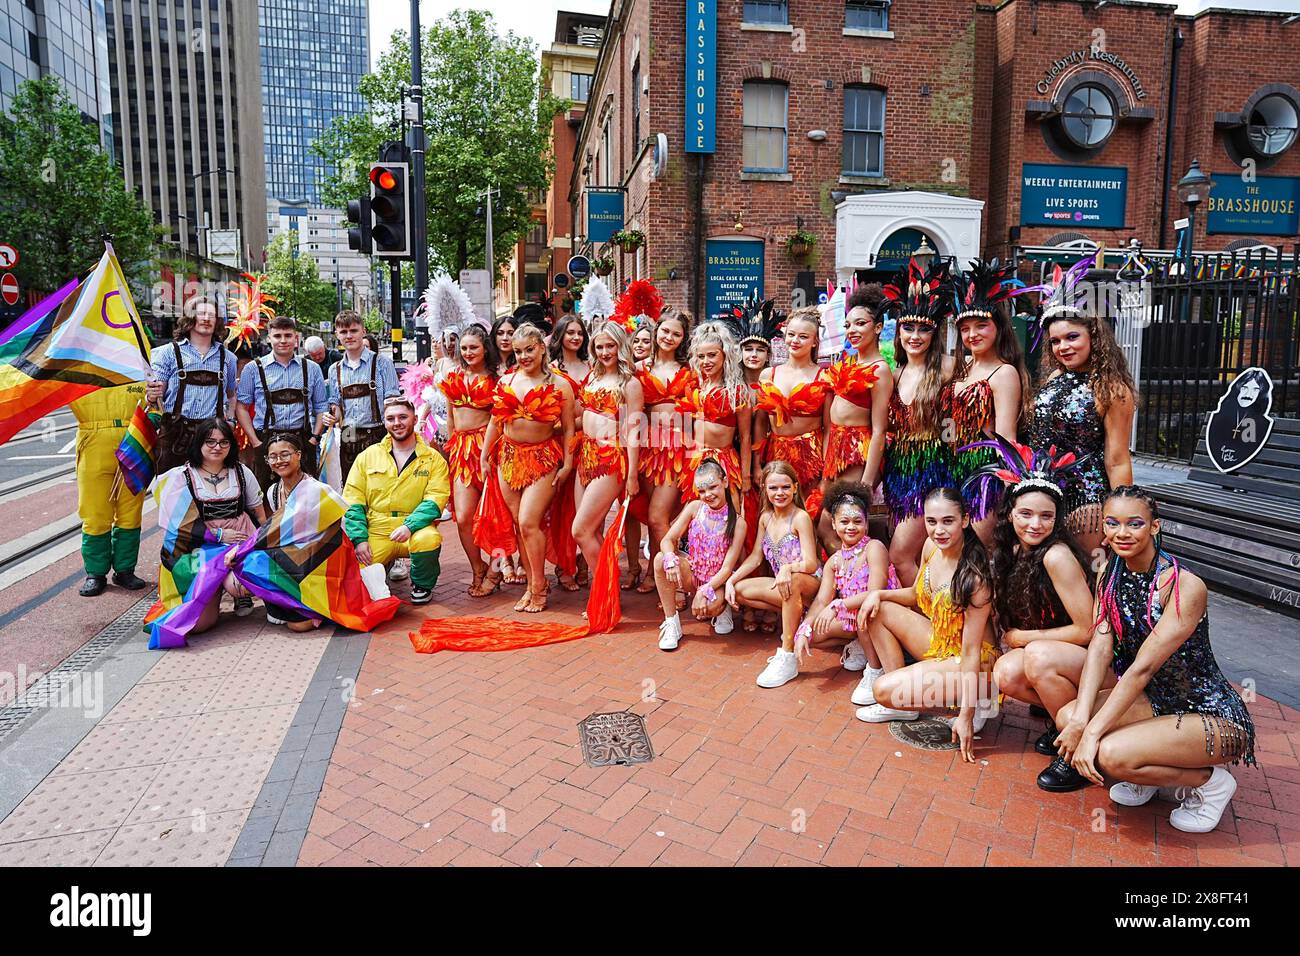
(1198, 328)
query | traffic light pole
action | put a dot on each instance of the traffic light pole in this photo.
(395, 304)
(420, 222)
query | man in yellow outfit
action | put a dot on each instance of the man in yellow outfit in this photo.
(110, 514)
(396, 491)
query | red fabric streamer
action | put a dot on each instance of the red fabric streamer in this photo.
(561, 547)
(640, 508)
(604, 607)
(494, 528)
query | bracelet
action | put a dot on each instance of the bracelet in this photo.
(220, 535)
(670, 562)
(710, 595)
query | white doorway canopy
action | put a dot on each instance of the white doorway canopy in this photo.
(865, 220)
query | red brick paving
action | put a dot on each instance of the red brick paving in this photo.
(474, 760)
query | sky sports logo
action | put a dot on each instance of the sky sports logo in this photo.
(77, 909)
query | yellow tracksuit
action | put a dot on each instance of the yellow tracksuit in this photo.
(110, 514)
(379, 500)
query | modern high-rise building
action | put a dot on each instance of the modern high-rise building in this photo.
(66, 39)
(187, 121)
(313, 54)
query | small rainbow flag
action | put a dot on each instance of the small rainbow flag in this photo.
(135, 455)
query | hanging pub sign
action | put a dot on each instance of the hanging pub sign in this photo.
(1052, 194)
(604, 214)
(1239, 427)
(701, 81)
(1268, 206)
(733, 272)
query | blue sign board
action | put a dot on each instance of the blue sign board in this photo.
(897, 250)
(1053, 195)
(1267, 207)
(733, 271)
(604, 214)
(701, 87)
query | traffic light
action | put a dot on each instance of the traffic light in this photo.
(390, 208)
(359, 233)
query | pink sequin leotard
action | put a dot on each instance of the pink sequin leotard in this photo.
(706, 542)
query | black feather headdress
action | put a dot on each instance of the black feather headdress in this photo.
(1022, 467)
(755, 321)
(983, 286)
(921, 295)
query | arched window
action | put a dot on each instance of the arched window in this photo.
(1088, 116)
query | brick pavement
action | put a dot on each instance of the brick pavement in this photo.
(473, 759)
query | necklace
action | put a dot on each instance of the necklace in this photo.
(212, 479)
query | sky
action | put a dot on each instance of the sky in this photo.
(534, 19)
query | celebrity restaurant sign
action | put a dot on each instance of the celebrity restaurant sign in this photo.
(1090, 55)
(1052, 194)
(1268, 206)
(701, 88)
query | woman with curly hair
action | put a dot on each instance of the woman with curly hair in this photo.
(719, 407)
(1085, 403)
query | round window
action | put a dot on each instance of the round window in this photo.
(1088, 116)
(1272, 128)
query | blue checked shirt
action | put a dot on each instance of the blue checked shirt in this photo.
(283, 376)
(200, 400)
(358, 411)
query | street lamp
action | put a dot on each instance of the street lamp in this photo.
(1193, 189)
(924, 255)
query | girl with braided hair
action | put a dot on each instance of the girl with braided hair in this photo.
(1085, 402)
(1149, 675)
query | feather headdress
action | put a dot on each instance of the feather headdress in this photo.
(1057, 296)
(639, 300)
(596, 303)
(250, 311)
(983, 286)
(1022, 467)
(921, 295)
(532, 313)
(756, 321)
(448, 307)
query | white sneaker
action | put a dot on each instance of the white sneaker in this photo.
(1202, 807)
(400, 571)
(864, 694)
(723, 623)
(670, 633)
(1132, 794)
(984, 712)
(272, 619)
(853, 657)
(880, 714)
(782, 667)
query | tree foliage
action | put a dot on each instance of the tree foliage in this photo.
(295, 282)
(487, 123)
(60, 192)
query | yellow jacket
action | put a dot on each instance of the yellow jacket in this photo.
(418, 495)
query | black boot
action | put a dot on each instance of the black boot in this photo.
(1060, 777)
(128, 580)
(94, 585)
(1036, 711)
(1046, 744)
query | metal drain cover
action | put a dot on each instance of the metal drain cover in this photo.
(609, 739)
(924, 733)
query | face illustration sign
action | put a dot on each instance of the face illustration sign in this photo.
(1239, 427)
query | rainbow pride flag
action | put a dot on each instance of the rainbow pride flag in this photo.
(87, 335)
(135, 455)
(300, 560)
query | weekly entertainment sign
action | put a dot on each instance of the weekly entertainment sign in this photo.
(701, 75)
(1052, 194)
(733, 271)
(1268, 206)
(604, 213)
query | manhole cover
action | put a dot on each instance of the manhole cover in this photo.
(620, 738)
(924, 733)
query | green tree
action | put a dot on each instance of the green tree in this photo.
(294, 279)
(60, 193)
(487, 123)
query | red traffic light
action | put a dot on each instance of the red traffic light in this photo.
(383, 178)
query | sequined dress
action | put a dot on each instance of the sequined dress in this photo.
(972, 414)
(915, 463)
(1065, 415)
(1190, 681)
(706, 542)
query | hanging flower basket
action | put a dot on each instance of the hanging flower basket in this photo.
(603, 267)
(801, 244)
(629, 239)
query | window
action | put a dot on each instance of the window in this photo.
(766, 12)
(866, 14)
(1088, 116)
(864, 131)
(1272, 127)
(765, 111)
(579, 87)
(636, 106)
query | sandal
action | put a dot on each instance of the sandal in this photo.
(565, 582)
(536, 603)
(514, 574)
(584, 574)
(520, 604)
(747, 622)
(628, 585)
(489, 582)
(647, 586)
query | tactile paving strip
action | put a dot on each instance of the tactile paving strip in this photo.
(119, 746)
(165, 699)
(71, 803)
(75, 849)
(202, 840)
(210, 786)
(227, 732)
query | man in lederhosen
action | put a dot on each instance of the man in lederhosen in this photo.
(194, 377)
(358, 384)
(287, 392)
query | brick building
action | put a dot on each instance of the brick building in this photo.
(874, 125)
